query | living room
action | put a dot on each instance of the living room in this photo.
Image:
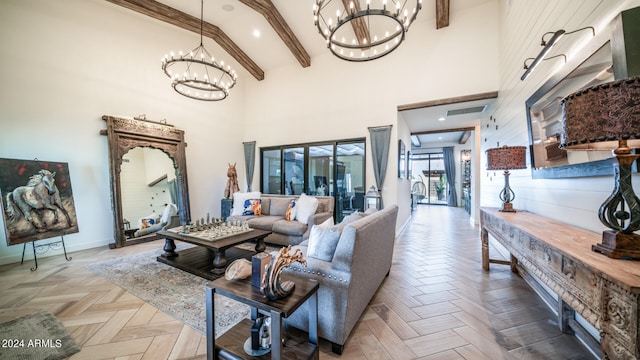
(66, 64)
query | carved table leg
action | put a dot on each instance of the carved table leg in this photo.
(219, 261)
(484, 237)
(514, 264)
(260, 246)
(169, 248)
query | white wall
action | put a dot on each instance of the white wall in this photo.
(335, 99)
(67, 63)
(522, 23)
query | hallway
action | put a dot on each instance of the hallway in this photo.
(438, 303)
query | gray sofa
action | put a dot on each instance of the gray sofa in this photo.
(348, 282)
(286, 232)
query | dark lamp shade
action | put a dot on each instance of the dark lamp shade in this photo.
(598, 117)
(507, 158)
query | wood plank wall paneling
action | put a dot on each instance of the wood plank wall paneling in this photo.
(522, 24)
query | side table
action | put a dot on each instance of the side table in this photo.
(230, 344)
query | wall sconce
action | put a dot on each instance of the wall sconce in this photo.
(373, 200)
(507, 158)
(547, 47)
(607, 117)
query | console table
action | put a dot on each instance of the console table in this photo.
(605, 291)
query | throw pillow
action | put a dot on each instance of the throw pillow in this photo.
(323, 241)
(146, 222)
(352, 217)
(290, 215)
(252, 207)
(240, 197)
(307, 206)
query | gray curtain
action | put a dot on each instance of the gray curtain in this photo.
(249, 161)
(450, 171)
(380, 137)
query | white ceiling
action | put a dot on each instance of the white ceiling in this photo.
(268, 51)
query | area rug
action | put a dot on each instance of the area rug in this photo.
(39, 336)
(173, 291)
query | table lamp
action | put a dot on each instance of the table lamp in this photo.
(607, 117)
(507, 158)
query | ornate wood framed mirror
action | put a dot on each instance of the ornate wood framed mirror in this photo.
(158, 140)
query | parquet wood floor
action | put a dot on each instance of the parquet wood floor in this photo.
(437, 303)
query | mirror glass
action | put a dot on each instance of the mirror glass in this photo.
(544, 112)
(148, 185)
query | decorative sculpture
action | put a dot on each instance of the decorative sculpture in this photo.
(232, 182)
(239, 269)
(270, 286)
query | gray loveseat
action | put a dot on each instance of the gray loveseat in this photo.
(348, 282)
(286, 232)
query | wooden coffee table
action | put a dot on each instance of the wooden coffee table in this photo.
(210, 258)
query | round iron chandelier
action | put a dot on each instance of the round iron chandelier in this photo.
(197, 74)
(358, 31)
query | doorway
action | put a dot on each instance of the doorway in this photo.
(429, 181)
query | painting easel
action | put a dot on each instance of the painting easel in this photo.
(52, 245)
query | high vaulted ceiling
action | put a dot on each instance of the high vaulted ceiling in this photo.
(286, 30)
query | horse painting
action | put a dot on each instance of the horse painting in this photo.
(232, 182)
(39, 194)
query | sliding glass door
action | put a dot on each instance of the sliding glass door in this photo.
(332, 168)
(350, 174)
(429, 181)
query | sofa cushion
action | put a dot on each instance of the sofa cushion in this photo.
(265, 206)
(307, 206)
(293, 228)
(240, 197)
(323, 240)
(279, 205)
(264, 222)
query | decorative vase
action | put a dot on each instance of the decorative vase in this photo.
(271, 287)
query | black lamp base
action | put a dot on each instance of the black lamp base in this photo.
(617, 245)
(507, 207)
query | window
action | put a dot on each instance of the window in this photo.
(329, 168)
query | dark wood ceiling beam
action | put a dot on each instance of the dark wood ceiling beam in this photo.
(448, 101)
(465, 137)
(467, 128)
(442, 13)
(277, 22)
(359, 26)
(185, 21)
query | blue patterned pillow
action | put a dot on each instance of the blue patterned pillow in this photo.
(252, 207)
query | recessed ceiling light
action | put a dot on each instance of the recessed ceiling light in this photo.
(228, 7)
(441, 119)
(439, 137)
(256, 33)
